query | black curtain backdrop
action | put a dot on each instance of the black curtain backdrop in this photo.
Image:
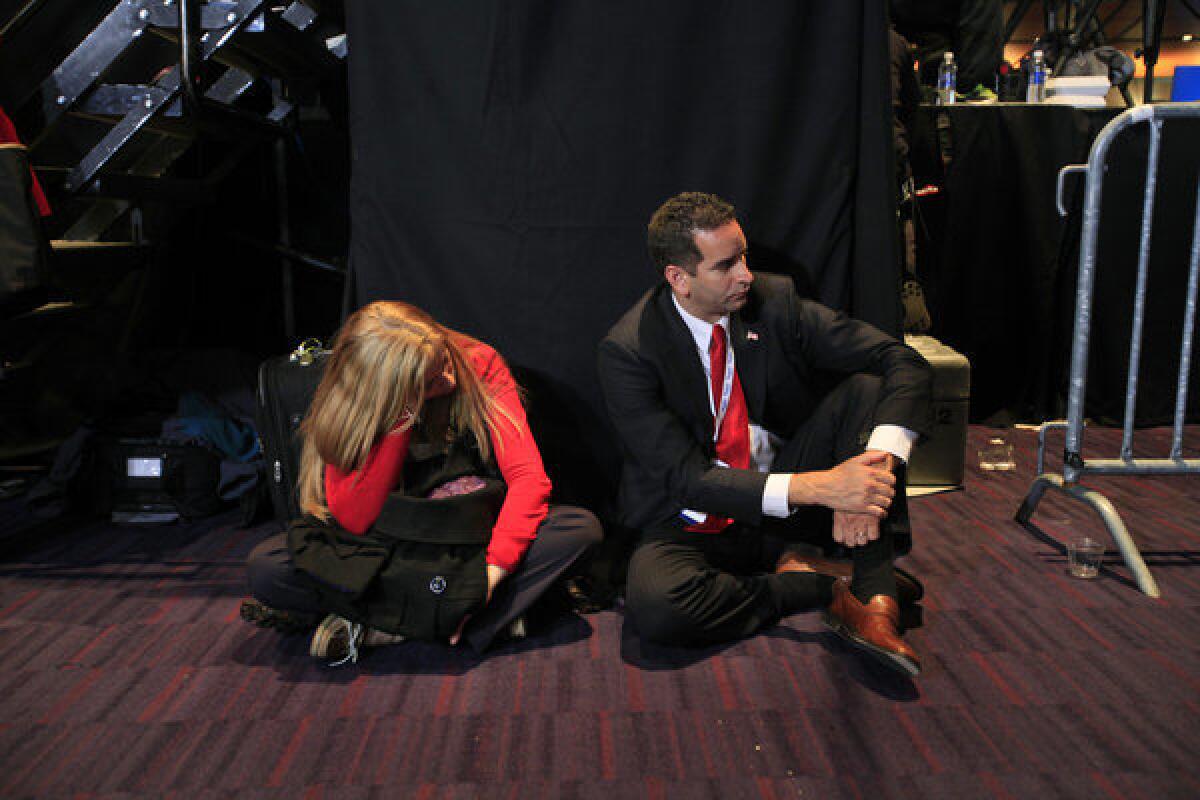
(507, 155)
(994, 285)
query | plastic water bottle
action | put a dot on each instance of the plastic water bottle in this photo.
(1036, 93)
(947, 82)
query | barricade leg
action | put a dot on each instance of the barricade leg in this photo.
(1108, 514)
(1029, 505)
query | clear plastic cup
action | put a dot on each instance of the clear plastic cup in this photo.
(997, 456)
(1084, 556)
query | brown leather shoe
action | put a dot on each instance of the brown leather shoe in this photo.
(908, 589)
(871, 627)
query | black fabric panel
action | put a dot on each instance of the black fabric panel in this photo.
(875, 294)
(993, 294)
(507, 156)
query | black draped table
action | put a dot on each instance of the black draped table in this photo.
(999, 263)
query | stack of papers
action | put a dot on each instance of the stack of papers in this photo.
(1082, 91)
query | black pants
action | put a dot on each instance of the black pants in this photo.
(696, 588)
(565, 534)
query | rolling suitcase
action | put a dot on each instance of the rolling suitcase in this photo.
(285, 389)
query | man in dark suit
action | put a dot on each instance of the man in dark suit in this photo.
(757, 429)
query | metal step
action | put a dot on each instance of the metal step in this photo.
(72, 246)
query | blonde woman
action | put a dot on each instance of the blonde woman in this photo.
(423, 492)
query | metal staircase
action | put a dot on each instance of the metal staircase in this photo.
(111, 96)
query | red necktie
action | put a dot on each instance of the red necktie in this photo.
(733, 439)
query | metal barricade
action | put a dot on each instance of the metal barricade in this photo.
(1074, 465)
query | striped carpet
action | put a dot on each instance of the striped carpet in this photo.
(125, 672)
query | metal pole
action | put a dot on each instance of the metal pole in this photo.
(285, 232)
(187, 56)
(1153, 13)
(1189, 329)
(1139, 301)
(20, 18)
(1093, 193)
(1143, 466)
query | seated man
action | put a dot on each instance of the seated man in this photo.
(743, 411)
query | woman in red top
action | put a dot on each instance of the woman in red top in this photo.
(398, 385)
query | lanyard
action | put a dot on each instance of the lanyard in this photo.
(718, 411)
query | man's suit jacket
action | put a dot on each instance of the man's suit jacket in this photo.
(789, 351)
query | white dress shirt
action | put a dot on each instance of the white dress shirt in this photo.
(893, 439)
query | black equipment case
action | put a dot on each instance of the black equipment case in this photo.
(153, 480)
(941, 460)
(286, 385)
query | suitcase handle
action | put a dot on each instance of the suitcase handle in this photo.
(306, 352)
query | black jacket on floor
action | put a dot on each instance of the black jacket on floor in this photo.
(421, 567)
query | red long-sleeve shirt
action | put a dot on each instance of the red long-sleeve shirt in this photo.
(356, 498)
